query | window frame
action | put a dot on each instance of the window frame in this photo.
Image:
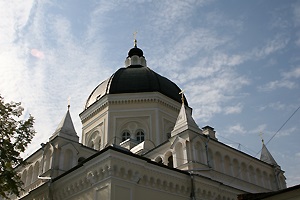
(140, 135)
(125, 135)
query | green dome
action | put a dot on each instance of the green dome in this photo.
(135, 78)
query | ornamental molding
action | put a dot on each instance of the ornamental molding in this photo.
(112, 165)
(143, 100)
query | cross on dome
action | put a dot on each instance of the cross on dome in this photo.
(69, 99)
(182, 96)
(262, 139)
(134, 39)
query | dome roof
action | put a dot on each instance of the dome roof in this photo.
(136, 77)
(135, 51)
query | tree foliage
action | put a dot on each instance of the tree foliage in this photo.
(15, 135)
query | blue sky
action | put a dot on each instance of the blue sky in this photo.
(238, 62)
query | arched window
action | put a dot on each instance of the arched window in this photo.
(94, 140)
(68, 159)
(47, 160)
(210, 159)
(170, 161)
(125, 135)
(252, 175)
(29, 176)
(159, 160)
(36, 171)
(227, 165)
(236, 168)
(91, 144)
(266, 180)
(98, 147)
(23, 177)
(179, 154)
(258, 177)
(218, 162)
(140, 136)
(244, 171)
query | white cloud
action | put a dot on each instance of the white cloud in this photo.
(296, 18)
(233, 109)
(273, 85)
(236, 129)
(209, 82)
(172, 12)
(218, 19)
(287, 132)
(14, 17)
(277, 106)
(262, 128)
(294, 73)
(296, 14)
(275, 44)
(286, 81)
(192, 44)
(210, 95)
(212, 80)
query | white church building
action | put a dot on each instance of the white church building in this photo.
(140, 141)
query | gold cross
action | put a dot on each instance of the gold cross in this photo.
(134, 39)
(262, 139)
(182, 95)
(69, 99)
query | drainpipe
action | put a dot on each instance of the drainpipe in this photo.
(206, 150)
(50, 192)
(276, 172)
(192, 195)
(43, 149)
(47, 178)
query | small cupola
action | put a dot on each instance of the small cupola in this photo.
(135, 57)
(66, 128)
(209, 131)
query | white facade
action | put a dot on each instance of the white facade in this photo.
(142, 145)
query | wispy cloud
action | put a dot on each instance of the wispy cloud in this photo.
(239, 129)
(233, 109)
(296, 18)
(218, 19)
(294, 73)
(210, 93)
(215, 76)
(272, 45)
(14, 18)
(287, 132)
(42, 75)
(172, 13)
(286, 81)
(273, 85)
(261, 128)
(236, 129)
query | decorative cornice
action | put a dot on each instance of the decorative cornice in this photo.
(123, 170)
(134, 171)
(131, 169)
(127, 101)
(95, 112)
